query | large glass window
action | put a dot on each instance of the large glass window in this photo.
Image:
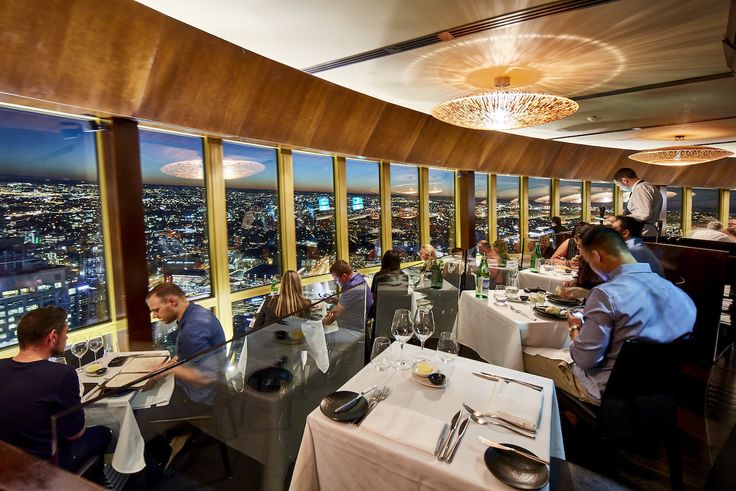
(364, 212)
(175, 211)
(251, 195)
(571, 202)
(601, 200)
(442, 210)
(314, 212)
(51, 247)
(732, 205)
(539, 206)
(507, 214)
(405, 210)
(481, 206)
(705, 206)
(674, 211)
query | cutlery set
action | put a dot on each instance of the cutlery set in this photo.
(379, 395)
(446, 449)
(521, 312)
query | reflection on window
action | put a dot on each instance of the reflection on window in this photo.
(175, 211)
(507, 209)
(442, 210)
(705, 206)
(405, 210)
(481, 206)
(732, 205)
(314, 213)
(364, 212)
(674, 211)
(539, 206)
(243, 313)
(51, 248)
(601, 200)
(571, 202)
(251, 194)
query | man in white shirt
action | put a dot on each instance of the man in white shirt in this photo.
(645, 202)
(712, 232)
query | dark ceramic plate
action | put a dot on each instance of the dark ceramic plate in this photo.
(563, 301)
(333, 401)
(515, 470)
(118, 361)
(543, 313)
(269, 379)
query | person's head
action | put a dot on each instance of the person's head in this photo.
(501, 247)
(556, 221)
(629, 227)
(625, 177)
(604, 249)
(457, 252)
(44, 330)
(391, 261)
(544, 242)
(483, 247)
(578, 231)
(341, 272)
(427, 252)
(167, 302)
(291, 299)
(714, 225)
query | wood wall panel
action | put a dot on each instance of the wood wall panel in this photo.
(120, 58)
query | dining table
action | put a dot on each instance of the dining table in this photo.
(498, 333)
(548, 281)
(393, 447)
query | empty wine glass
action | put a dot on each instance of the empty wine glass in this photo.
(401, 328)
(380, 345)
(79, 350)
(447, 348)
(423, 327)
(95, 344)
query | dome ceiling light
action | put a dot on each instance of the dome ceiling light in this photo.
(680, 155)
(231, 169)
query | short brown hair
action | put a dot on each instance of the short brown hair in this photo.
(625, 172)
(341, 267)
(164, 290)
(37, 324)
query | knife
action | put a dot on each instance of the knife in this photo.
(352, 402)
(441, 439)
(453, 427)
(491, 376)
(513, 450)
(461, 433)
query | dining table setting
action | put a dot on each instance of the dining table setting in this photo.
(444, 422)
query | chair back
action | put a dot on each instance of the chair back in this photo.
(388, 299)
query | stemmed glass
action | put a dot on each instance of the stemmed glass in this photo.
(380, 345)
(423, 327)
(95, 344)
(79, 350)
(401, 328)
(447, 348)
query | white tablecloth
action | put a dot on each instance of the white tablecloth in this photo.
(497, 333)
(339, 456)
(117, 414)
(548, 281)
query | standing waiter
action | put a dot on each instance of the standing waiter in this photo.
(645, 202)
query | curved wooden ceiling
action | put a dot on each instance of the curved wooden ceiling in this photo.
(122, 58)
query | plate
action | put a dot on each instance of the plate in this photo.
(514, 470)
(330, 402)
(562, 300)
(544, 313)
(425, 381)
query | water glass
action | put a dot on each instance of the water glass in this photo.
(380, 345)
(423, 327)
(447, 348)
(402, 330)
(512, 291)
(532, 299)
(79, 350)
(95, 344)
(499, 295)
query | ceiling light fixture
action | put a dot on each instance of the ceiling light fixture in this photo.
(231, 169)
(680, 155)
(504, 109)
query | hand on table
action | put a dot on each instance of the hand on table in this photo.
(167, 363)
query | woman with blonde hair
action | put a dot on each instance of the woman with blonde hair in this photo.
(289, 301)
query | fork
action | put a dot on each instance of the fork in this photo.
(484, 420)
(378, 396)
(479, 414)
(520, 312)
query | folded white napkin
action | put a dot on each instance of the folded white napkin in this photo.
(404, 425)
(314, 333)
(517, 403)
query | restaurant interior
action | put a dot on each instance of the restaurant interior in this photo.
(379, 217)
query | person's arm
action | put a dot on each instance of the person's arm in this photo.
(561, 252)
(73, 425)
(591, 342)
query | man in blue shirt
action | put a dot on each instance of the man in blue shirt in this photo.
(34, 389)
(633, 302)
(355, 300)
(630, 230)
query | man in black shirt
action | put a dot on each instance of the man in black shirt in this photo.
(34, 389)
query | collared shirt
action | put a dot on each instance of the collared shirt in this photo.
(643, 254)
(199, 330)
(645, 204)
(633, 303)
(356, 301)
(708, 234)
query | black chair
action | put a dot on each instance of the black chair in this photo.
(639, 405)
(566, 476)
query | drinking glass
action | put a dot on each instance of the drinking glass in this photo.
(79, 349)
(532, 299)
(499, 295)
(512, 291)
(60, 360)
(95, 344)
(401, 328)
(423, 327)
(447, 348)
(380, 345)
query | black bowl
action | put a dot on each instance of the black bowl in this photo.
(437, 378)
(515, 470)
(281, 335)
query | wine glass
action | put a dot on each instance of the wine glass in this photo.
(499, 295)
(60, 360)
(423, 327)
(401, 328)
(447, 348)
(380, 345)
(95, 344)
(79, 350)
